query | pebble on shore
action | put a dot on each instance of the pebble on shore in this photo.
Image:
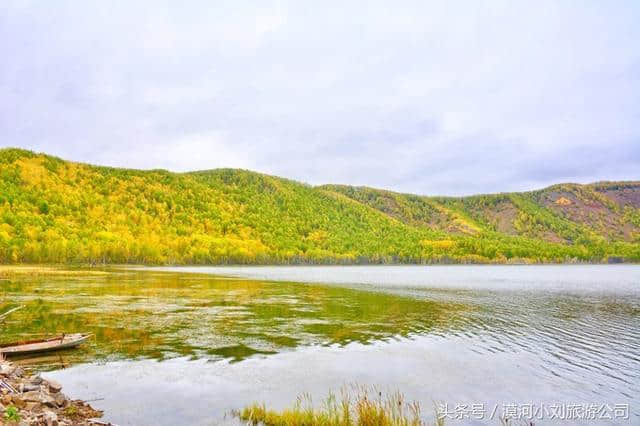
(32, 400)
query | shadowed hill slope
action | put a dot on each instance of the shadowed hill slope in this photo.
(565, 213)
(53, 210)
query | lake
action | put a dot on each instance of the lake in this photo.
(187, 345)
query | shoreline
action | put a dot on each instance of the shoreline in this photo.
(97, 268)
(31, 400)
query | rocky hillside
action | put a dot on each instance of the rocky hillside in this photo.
(564, 213)
(57, 211)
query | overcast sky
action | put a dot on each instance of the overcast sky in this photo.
(450, 97)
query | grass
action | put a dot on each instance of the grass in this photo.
(362, 406)
(11, 414)
(71, 411)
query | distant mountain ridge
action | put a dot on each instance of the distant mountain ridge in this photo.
(58, 211)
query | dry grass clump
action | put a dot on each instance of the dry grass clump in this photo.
(360, 406)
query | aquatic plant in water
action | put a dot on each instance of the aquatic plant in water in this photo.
(358, 405)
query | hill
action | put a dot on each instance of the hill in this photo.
(57, 211)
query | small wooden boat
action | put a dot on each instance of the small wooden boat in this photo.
(43, 345)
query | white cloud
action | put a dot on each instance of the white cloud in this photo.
(431, 97)
(202, 151)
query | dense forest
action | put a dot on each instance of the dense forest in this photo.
(55, 211)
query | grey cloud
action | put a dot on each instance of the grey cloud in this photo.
(429, 97)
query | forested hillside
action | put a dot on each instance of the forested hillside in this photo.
(57, 211)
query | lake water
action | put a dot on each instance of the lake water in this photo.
(189, 345)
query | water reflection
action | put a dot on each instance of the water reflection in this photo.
(160, 315)
(461, 334)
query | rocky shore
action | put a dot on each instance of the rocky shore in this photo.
(31, 400)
